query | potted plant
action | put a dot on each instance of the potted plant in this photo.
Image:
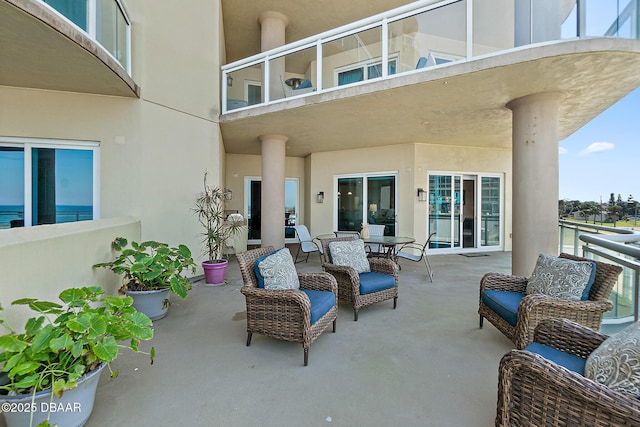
(151, 270)
(51, 370)
(209, 207)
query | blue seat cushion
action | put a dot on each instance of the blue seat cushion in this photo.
(504, 303)
(321, 303)
(374, 282)
(569, 361)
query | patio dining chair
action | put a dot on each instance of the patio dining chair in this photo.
(373, 249)
(307, 244)
(421, 254)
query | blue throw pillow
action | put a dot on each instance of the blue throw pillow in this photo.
(305, 84)
(592, 280)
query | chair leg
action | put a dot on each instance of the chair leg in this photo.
(249, 335)
(481, 321)
(295, 261)
(306, 356)
(429, 269)
(334, 325)
(355, 315)
(395, 302)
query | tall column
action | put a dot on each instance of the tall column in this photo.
(272, 33)
(273, 176)
(535, 179)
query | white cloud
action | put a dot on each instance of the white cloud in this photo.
(597, 146)
(562, 150)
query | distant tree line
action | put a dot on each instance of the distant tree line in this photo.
(613, 210)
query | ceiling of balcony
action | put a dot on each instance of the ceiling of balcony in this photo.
(38, 46)
(242, 31)
(459, 104)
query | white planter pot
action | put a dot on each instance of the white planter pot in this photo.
(151, 303)
(72, 409)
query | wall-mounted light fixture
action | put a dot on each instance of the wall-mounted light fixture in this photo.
(422, 195)
(228, 194)
(320, 197)
(229, 81)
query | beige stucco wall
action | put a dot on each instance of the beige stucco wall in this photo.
(412, 162)
(40, 262)
(154, 150)
(239, 166)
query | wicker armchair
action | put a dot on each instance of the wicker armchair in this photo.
(284, 315)
(534, 308)
(349, 280)
(533, 391)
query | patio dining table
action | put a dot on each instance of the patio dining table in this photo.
(389, 242)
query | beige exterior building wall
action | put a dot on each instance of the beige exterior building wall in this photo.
(40, 262)
(154, 150)
(413, 163)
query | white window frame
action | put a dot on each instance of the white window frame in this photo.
(365, 65)
(365, 176)
(27, 144)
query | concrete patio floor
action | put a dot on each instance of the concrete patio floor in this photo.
(424, 364)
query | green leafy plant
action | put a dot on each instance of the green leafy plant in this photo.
(151, 265)
(64, 342)
(209, 207)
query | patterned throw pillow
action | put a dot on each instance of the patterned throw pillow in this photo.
(277, 271)
(350, 253)
(559, 277)
(616, 362)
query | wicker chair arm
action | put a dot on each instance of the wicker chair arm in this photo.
(535, 391)
(344, 275)
(279, 296)
(384, 266)
(503, 282)
(318, 282)
(568, 336)
(550, 304)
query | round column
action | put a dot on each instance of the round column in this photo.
(272, 35)
(272, 203)
(535, 179)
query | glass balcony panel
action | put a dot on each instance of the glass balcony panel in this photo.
(245, 87)
(12, 188)
(569, 28)
(353, 58)
(122, 30)
(294, 74)
(492, 29)
(106, 27)
(429, 38)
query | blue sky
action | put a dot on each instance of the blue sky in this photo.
(603, 156)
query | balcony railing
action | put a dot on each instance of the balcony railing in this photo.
(413, 39)
(619, 246)
(105, 21)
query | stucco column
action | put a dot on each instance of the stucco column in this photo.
(272, 204)
(535, 179)
(272, 35)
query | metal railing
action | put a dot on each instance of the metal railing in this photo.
(615, 245)
(105, 21)
(411, 39)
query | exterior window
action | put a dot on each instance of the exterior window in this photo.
(47, 183)
(253, 92)
(364, 71)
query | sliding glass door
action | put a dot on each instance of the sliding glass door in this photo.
(465, 211)
(367, 198)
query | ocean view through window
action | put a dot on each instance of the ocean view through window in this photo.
(47, 182)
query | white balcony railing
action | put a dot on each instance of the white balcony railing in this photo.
(105, 21)
(412, 39)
